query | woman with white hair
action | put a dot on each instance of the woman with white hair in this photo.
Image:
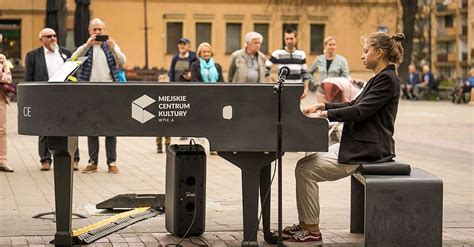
(205, 69)
(248, 63)
(5, 77)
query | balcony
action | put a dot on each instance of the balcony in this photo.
(453, 5)
(441, 7)
(448, 32)
(446, 57)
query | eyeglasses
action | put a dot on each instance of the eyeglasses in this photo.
(49, 36)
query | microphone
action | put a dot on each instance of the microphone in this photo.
(284, 72)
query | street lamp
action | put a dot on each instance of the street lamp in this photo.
(146, 33)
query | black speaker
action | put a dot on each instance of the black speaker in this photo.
(185, 190)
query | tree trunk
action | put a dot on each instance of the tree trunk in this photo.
(410, 7)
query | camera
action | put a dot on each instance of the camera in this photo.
(101, 37)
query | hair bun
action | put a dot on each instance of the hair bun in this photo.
(399, 37)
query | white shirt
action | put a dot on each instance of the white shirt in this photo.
(100, 68)
(53, 61)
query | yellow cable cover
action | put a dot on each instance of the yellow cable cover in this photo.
(111, 219)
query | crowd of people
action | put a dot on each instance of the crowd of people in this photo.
(414, 84)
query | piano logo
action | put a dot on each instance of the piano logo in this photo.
(138, 109)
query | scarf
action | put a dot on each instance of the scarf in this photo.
(208, 71)
(85, 73)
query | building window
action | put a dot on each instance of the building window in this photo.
(448, 21)
(233, 37)
(383, 29)
(447, 72)
(203, 33)
(11, 41)
(262, 28)
(445, 47)
(317, 38)
(174, 31)
(287, 26)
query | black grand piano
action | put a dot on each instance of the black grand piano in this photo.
(239, 120)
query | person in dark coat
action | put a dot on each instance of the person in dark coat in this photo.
(367, 136)
(41, 64)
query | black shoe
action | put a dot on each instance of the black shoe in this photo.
(159, 149)
(5, 168)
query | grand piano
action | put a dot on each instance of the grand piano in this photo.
(239, 120)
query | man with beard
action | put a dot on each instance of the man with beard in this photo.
(41, 64)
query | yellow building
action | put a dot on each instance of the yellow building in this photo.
(452, 38)
(221, 22)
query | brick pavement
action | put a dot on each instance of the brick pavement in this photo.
(435, 136)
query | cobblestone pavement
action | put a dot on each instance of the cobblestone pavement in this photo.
(434, 136)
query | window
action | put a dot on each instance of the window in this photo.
(317, 38)
(383, 29)
(447, 72)
(203, 33)
(262, 28)
(445, 47)
(448, 21)
(287, 26)
(233, 37)
(11, 33)
(174, 32)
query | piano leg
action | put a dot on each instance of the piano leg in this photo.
(63, 149)
(251, 164)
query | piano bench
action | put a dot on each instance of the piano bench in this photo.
(395, 207)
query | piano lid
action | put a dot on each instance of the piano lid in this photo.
(233, 117)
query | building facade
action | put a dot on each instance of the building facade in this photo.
(222, 23)
(452, 38)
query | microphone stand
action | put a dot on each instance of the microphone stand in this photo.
(278, 89)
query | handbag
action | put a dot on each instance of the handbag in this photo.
(121, 76)
(7, 88)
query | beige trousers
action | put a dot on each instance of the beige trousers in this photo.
(311, 170)
(3, 130)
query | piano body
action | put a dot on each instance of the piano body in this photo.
(239, 120)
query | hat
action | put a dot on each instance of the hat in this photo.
(184, 40)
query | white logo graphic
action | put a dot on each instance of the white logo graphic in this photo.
(138, 109)
(227, 112)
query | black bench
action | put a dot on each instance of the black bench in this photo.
(394, 205)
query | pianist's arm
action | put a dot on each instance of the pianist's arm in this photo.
(380, 92)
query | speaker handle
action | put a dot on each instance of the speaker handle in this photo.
(191, 143)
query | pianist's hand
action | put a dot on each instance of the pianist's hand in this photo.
(323, 114)
(314, 108)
